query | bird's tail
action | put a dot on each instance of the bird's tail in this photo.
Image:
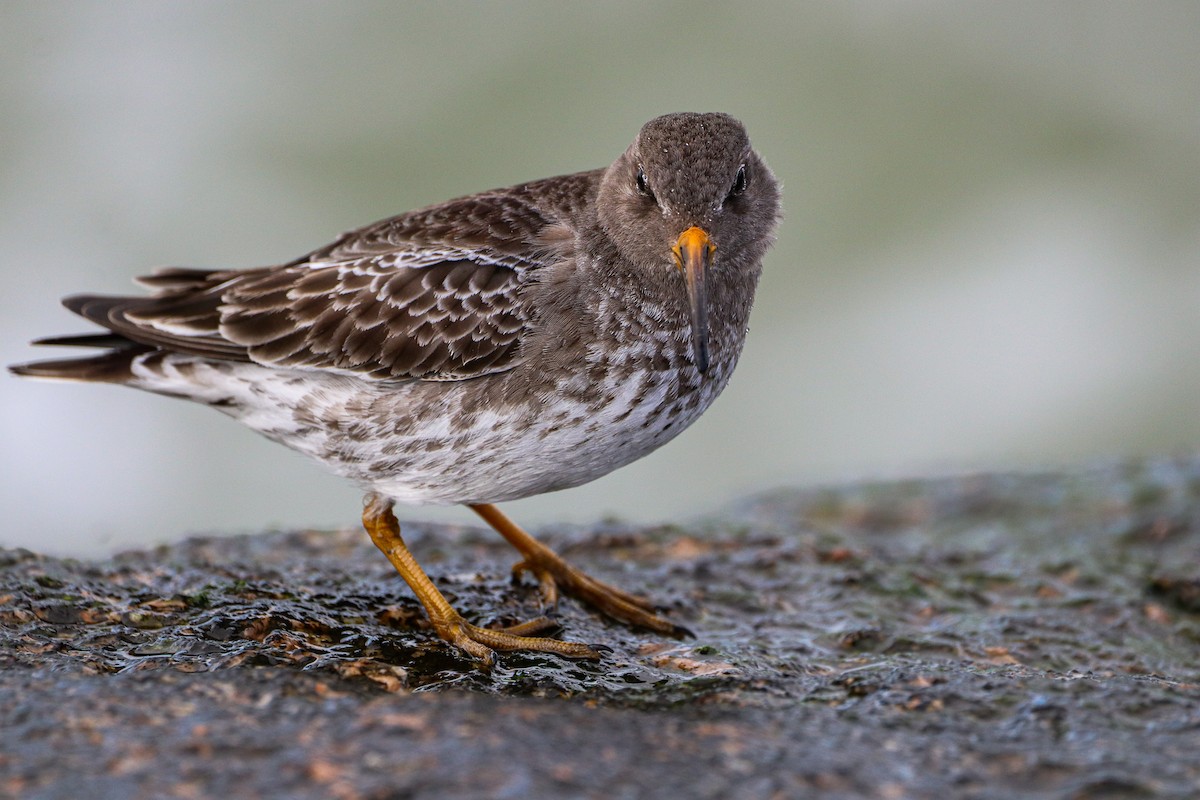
(111, 366)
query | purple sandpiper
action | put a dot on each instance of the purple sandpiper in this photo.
(493, 347)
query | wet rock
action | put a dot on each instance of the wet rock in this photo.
(986, 636)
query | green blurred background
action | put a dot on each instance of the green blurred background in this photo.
(988, 260)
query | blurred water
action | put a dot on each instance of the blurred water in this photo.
(989, 257)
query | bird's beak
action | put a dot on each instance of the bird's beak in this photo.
(692, 252)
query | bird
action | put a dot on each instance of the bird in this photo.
(492, 347)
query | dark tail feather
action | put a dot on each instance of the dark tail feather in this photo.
(108, 340)
(111, 367)
(94, 307)
(177, 278)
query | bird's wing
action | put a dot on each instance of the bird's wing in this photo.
(434, 294)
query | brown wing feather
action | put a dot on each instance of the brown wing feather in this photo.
(379, 320)
(434, 294)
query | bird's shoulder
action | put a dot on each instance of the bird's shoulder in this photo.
(507, 224)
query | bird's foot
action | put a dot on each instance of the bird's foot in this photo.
(481, 643)
(555, 575)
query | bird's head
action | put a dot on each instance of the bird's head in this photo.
(690, 197)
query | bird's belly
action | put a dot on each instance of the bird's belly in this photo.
(514, 451)
(438, 443)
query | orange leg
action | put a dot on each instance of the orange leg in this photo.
(477, 642)
(554, 575)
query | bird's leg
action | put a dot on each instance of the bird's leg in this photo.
(555, 575)
(477, 642)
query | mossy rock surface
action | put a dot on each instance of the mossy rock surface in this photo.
(1006, 636)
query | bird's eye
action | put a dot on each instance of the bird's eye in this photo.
(740, 182)
(643, 187)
